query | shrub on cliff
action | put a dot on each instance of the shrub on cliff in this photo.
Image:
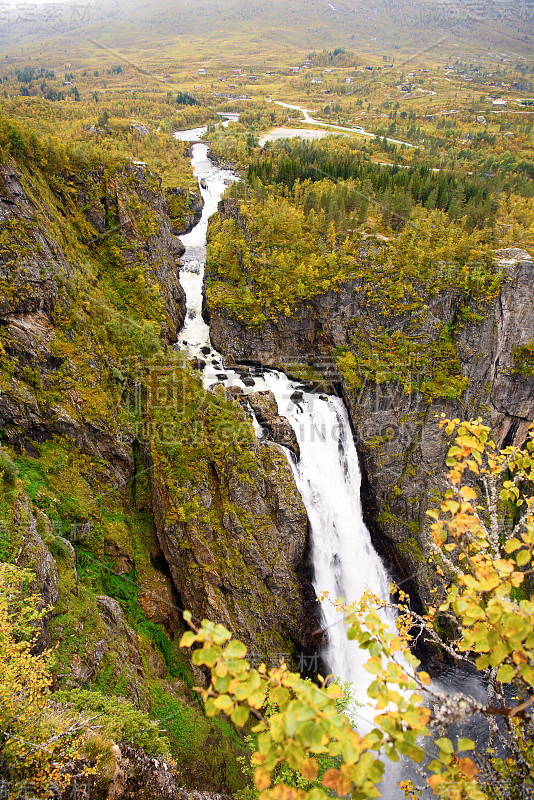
(37, 741)
(119, 720)
(48, 739)
(8, 469)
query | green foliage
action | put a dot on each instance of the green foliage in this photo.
(524, 359)
(118, 719)
(8, 470)
(59, 155)
(178, 206)
(305, 726)
(58, 482)
(207, 751)
(36, 740)
(284, 774)
(393, 188)
(100, 575)
(315, 229)
(298, 723)
(186, 99)
(276, 247)
(103, 119)
(13, 515)
(269, 255)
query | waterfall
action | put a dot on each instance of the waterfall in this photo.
(327, 474)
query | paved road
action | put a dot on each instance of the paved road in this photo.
(310, 121)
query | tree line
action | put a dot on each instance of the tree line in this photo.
(474, 196)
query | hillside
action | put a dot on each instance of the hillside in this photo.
(129, 491)
(270, 31)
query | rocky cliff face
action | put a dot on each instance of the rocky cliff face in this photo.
(396, 427)
(185, 209)
(123, 525)
(239, 557)
(83, 309)
(132, 203)
(121, 221)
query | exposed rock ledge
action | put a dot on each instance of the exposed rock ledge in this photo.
(278, 428)
(135, 776)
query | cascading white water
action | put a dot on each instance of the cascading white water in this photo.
(328, 478)
(195, 333)
(327, 474)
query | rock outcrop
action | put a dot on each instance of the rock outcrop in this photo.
(235, 542)
(193, 202)
(33, 554)
(32, 346)
(265, 408)
(136, 775)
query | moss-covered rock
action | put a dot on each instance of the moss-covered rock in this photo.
(277, 427)
(235, 536)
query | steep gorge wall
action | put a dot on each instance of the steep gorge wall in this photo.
(397, 427)
(235, 539)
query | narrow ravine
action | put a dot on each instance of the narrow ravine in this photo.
(327, 474)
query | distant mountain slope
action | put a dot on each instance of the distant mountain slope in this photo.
(369, 25)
